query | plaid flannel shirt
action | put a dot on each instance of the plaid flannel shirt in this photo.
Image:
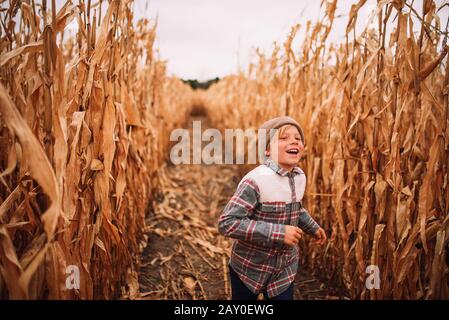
(259, 256)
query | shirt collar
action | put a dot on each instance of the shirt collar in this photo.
(279, 170)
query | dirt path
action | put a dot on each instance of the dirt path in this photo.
(186, 257)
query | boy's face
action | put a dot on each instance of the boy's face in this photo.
(286, 147)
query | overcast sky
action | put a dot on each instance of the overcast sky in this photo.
(203, 39)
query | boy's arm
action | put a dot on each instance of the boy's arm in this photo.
(234, 222)
(306, 222)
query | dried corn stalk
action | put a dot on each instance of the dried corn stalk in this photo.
(375, 117)
(84, 127)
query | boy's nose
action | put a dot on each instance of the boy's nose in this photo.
(298, 143)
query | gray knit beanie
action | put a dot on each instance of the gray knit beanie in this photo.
(278, 122)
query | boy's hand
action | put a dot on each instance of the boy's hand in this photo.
(320, 236)
(292, 235)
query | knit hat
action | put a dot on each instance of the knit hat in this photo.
(278, 122)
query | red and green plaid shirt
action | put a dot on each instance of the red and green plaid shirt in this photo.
(267, 199)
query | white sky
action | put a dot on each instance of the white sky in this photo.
(203, 39)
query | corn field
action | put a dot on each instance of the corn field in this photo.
(85, 122)
(375, 118)
(84, 127)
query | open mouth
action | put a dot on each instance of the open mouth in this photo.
(293, 151)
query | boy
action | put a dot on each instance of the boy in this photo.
(265, 216)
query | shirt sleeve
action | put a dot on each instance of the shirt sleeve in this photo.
(306, 222)
(235, 220)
